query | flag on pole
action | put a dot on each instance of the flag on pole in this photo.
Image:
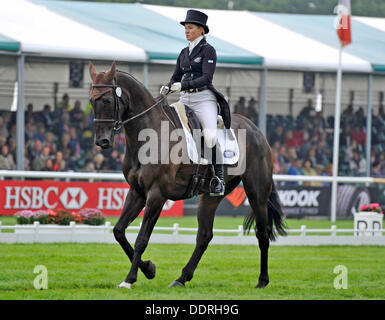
(343, 27)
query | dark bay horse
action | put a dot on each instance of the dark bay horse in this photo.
(118, 99)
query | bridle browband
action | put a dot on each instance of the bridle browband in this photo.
(117, 96)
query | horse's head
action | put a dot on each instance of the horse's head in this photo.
(105, 104)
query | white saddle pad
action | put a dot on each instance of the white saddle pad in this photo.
(226, 140)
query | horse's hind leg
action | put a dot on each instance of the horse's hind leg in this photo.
(206, 214)
(133, 204)
(257, 195)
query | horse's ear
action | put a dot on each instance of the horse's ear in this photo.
(93, 72)
(111, 73)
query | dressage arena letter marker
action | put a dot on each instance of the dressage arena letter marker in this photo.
(341, 281)
(41, 281)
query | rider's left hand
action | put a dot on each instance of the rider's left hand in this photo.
(176, 87)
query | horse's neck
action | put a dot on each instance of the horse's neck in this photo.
(140, 100)
(139, 96)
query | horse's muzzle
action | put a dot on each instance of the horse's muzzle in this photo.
(103, 143)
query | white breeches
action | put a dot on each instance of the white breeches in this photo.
(204, 104)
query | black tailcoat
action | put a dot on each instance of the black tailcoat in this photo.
(197, 71)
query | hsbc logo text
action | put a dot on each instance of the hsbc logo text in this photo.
(37, 198)
(30, 197)
(303, 198)
(113, 199)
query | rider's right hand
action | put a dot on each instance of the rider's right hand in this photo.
(164, 90)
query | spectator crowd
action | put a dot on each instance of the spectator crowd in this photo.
(61, 139)
(303, 145)
(58, 139)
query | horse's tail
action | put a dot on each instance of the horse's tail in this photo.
(275, 214)
(276, 223)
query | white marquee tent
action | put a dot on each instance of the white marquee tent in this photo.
(151, 34)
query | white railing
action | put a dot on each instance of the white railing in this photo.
(38, 233)
(67, 175)
(90, 176)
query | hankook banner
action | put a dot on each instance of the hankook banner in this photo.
(304, 201)
(72, 196)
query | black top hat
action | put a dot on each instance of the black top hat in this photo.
(196, 17)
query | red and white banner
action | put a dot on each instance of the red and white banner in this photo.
(344, 30)
(72, 196)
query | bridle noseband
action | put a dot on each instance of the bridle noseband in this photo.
(117, 96)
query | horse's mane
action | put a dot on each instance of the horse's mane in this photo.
(164, 103)
(137, 81)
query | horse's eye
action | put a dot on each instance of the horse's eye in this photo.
(107, 100)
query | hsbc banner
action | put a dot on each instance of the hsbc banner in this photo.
(304, 201)
(72, 196)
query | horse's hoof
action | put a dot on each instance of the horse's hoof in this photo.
(125, 285)
(176, 283)
(149, 269)
(262, 283)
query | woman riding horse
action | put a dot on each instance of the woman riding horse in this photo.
(193, 77)
(119, 100)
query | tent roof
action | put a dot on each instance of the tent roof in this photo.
(140, 33)
(8, 44)
(44, 32)
(368, 34)
(157, 35)
(292, 41)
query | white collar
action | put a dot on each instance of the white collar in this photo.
(193, 44)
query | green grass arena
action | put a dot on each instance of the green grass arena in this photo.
(92, 271)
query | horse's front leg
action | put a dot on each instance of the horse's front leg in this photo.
(133, 204)
(206, 213)
(154, 205)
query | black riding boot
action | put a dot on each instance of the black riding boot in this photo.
(217, 184)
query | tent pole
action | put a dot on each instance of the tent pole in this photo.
(369, 125)
(20, 114)
(262, 102)
(145, 74)
(336, 138)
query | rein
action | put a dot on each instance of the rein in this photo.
(117, 96)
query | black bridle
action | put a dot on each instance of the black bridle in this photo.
(117, 96)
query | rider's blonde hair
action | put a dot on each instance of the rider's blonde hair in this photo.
(203, 31)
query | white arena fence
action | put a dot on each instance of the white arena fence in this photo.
(74, 233)
(103, 234)
(92, 176)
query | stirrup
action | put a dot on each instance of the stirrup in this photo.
(221, 193)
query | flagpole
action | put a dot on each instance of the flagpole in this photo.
(336, 137)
